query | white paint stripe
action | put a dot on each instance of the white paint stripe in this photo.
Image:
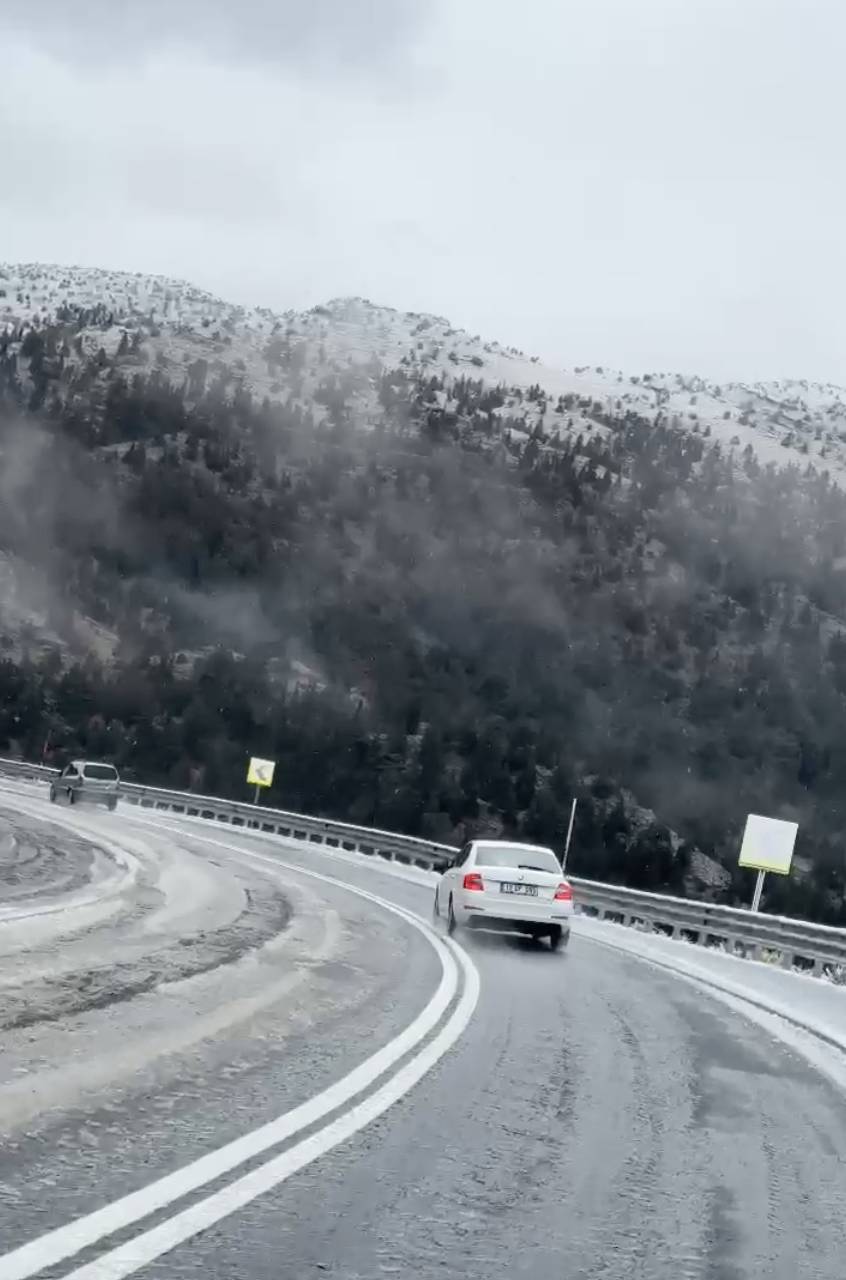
(152, 1244)
(63, 1242)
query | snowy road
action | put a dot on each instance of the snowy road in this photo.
(597, 1116)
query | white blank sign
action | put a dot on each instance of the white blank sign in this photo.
(768, 844)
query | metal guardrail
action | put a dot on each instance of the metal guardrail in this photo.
(21, 769)
(754, 935)
(800, 944)
(293, 826)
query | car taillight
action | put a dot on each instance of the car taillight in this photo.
(474, 881)
(564, 892)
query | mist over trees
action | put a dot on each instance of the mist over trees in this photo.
(439, 624)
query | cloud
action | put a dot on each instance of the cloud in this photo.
(306, 34)
(651, 186)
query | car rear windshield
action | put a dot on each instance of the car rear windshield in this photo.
(100, 772)
(509, 855)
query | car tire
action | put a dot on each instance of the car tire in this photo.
(436, 907)
(558, 939)
(452, 923)
(112, 805)
(71, 796)
(52, 795)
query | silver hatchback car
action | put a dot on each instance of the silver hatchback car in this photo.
(88, 781)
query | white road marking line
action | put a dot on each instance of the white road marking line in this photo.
(145, 1248)
(66, 1241)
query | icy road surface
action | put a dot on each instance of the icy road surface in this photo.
(599, 1116)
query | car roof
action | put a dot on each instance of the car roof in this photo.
(84, 760)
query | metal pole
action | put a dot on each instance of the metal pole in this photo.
(569, 835)
(759, 886)
(257, 797)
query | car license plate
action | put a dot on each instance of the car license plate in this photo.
(528, 890)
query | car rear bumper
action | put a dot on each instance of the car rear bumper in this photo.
(89, 795)
(494, 906)
(512, 916)
(516, 924)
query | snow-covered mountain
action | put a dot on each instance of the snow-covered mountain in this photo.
(786, 422)
(521, 557)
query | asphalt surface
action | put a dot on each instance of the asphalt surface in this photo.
(597, 1118)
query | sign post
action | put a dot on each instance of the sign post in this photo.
(260, 774)
(767, 846)
(569, 835)
(759, 889)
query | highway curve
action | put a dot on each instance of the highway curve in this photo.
(596, 1118)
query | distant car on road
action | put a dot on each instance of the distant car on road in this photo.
(89, 781)
(513, 888)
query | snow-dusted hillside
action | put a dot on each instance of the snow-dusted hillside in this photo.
(789, 422)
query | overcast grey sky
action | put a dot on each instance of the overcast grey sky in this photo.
(657, 185)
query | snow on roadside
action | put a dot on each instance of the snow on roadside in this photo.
(147, 917)
(799, 1010)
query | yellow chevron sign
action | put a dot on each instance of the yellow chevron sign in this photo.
(260, 772)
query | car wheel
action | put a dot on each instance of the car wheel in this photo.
(436, 907)
(52, 795)
(557, 939)
(452, 923)
(71, 796)
(112, 805)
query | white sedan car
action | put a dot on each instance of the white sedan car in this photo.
(513, 888)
